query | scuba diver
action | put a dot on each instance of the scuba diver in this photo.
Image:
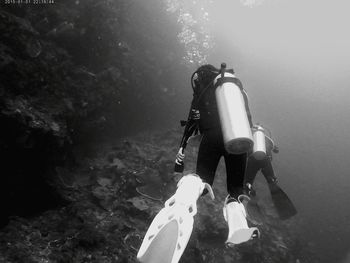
(219, 111)
(260, 160)
(204, 116)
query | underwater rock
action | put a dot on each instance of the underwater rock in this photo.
(150, 191)
(33, 48)
(102, 192)
(5, 57)
(104, 182)
(61, 30)
(18, 24)
(65, 177)
(139, 203)
(117, 163)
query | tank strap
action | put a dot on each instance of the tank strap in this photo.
(245, 93)
(221, 80)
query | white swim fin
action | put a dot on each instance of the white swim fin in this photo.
(235, 216)
(170, 231)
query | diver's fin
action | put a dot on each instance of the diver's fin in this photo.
(168, 235)
(284, 206)
(253, 210)
(235, 215)
(242, 235)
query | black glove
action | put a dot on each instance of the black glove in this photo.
(179, 167)
(276, 149)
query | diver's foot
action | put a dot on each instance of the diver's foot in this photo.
(273, 186)
(249, 190)
(253, 211)
(272, 180)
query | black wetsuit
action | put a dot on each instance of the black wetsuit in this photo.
(211, 148)
(264, 165)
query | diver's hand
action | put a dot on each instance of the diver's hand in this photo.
(180, 156)
(276, 149)
(179, 161)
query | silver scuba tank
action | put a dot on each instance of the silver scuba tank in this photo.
(259, 149)
(233, 116)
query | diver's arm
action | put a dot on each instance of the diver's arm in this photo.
(190, 128)
(275, 148)
(191, 125)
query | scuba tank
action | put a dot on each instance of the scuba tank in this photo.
(259, 149)
(232, 112)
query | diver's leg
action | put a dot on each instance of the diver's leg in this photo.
(234, 211)
(251, 171)
(253, 167)
(236, 166)
(269, 173)
(235, 169)
(208, 158)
